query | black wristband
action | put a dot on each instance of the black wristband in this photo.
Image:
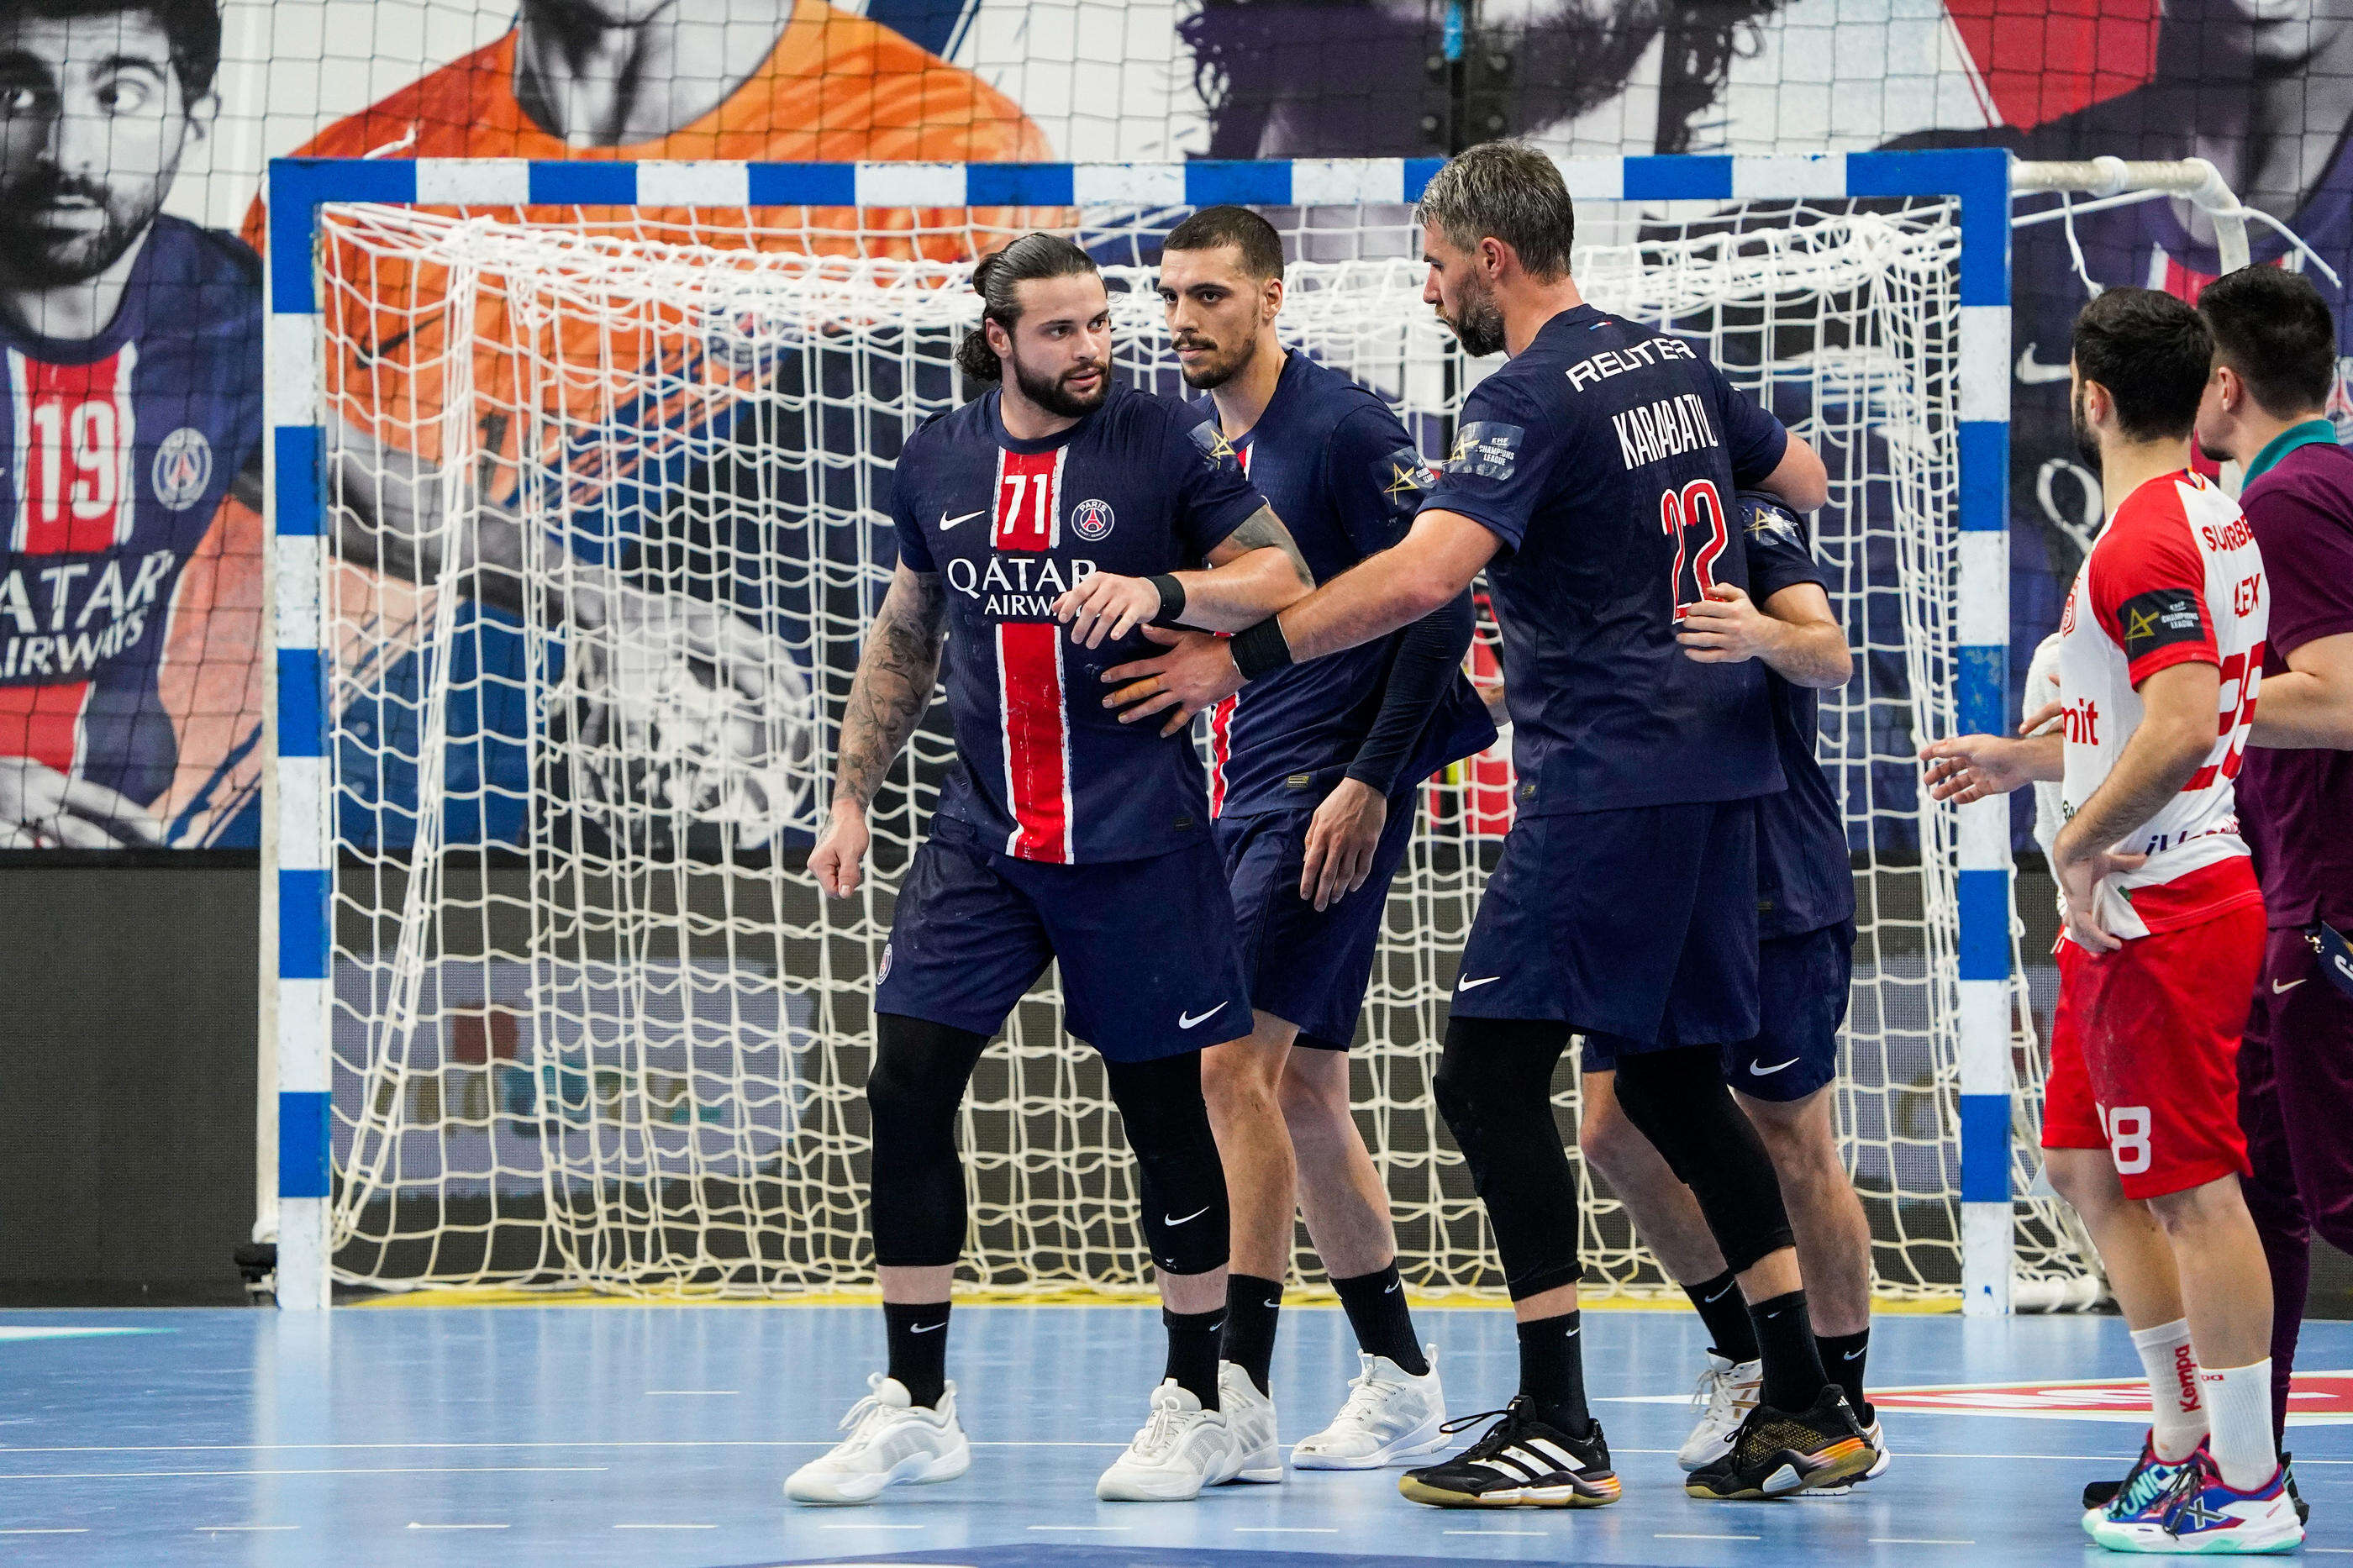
(1260, 649)
(1172, 599)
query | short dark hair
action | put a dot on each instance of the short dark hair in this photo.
(191, 28)
(2152, 353)
(1508, 191)
(2272, 326)
(1033, 255)
(1245, 230)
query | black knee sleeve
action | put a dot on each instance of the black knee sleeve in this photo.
(920, 1069)
(1677, 1098)
(1494, 1088)
(1180, 1182)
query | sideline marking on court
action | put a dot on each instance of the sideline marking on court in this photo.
(76, 1530)
(332, 1470)
(218, 1529)
(67, 1332)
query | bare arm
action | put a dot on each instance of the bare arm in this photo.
(389, 518)
(2310, 707)
(2176, 732)
(1800, 480)
(896, 671)
(1253, 572)
(1425, 570)
(1793, 632)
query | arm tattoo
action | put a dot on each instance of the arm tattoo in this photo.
(895, 675)
(1264, 531)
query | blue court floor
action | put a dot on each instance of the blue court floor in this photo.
(623, 1436)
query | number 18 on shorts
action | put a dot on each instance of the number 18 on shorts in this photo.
(2145, 1053)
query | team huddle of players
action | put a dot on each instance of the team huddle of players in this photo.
(1675, 889)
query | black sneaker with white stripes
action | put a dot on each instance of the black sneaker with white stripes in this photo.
(1520, 1462)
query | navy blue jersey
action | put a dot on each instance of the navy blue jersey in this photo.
(1337, 466)
(1804, 880)
(124, 445)
(1143, 485)
(1605, 459)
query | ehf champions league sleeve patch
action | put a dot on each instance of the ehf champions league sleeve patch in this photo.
(2159, 618)
(1486, 450)
(1404, 479)
(1215, 448)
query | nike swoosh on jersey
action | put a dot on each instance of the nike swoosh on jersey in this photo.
(1186, 1020)
(1197, 1214)
(2033, 372)
(947, 523)
(2278, 988)
(1777, 1066)
(1475, 984)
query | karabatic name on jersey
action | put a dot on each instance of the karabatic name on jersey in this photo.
(1332, 460)
(1804, 879)
(1607, 457)
(1141, 485)
(2175, 579)
(124, 444)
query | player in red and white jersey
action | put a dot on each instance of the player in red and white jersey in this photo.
(2160, 660)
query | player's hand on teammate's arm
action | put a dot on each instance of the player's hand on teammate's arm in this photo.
(1341, 839)
(1195, 672)
(837, 860)
(1726, 627)
(2080, 871)
(1107, 606)
(45, 807)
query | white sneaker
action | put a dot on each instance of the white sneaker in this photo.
(892, 1442)
(1726, 1393)
(1390, 1417)
(1250, 1414)
(1181, 1449)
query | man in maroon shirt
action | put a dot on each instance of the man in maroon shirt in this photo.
(2274, 367)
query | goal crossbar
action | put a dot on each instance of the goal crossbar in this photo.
(294, 1166)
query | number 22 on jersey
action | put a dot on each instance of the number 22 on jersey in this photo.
(1695, 506)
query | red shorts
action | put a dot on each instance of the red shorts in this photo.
(2145, 1053)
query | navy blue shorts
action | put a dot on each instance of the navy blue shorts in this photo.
(1149, 965)
(1801, 989)
(1639, 923)
(1307, 967)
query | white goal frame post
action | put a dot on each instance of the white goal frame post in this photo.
(294, 1176)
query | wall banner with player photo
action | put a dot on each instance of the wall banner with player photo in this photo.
(133, 134)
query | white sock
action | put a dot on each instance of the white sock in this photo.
(2173, 1368)
(2239, 1403)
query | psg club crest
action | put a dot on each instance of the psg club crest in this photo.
(884, 972)
(1092, 520)
(184, 467)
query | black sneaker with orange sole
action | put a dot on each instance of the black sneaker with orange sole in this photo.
(1778, 1453)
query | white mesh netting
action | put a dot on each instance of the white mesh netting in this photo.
(607, 498)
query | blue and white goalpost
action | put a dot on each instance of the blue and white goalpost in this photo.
(528, 1078)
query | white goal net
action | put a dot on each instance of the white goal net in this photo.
(606, 493)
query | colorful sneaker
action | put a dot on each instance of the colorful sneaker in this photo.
(1726, 1393)
(2206, 1517)
(1869, 1422)
(2142, 1496)
(1251, 1415)
(1390, 1416)
(1180, 1449)
(1776, 1452)
(892, 1442)
(1520, 1462)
